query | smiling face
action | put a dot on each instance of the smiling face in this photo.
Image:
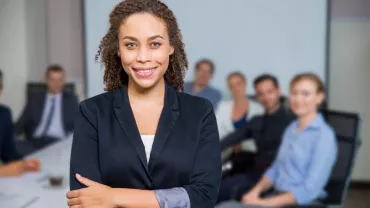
(203, 73)
(304, 97)
(268, 94)
(237, 86)
(144, 49)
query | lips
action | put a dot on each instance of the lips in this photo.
(142, 72)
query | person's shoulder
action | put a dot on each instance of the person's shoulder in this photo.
(4, 110)
(214, 91)
(69, 94)
(192, 103)
(188, 86)
(327, 131)
(103, 100)
(225, 103)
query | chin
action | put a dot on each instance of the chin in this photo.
(300, 113)
(146, 83)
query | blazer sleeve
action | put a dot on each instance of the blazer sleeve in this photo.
(205, 178)
(22, 121)
(84, 155)
(8, 149)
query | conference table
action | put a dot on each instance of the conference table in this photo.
(33, 190)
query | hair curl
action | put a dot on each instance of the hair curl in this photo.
(114, 75)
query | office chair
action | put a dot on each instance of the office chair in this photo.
(38, 87)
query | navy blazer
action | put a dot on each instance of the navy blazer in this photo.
(8, 150)
(32, 114)
(107, 146)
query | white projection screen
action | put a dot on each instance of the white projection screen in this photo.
(282, 37)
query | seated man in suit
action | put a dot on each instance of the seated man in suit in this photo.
(8, 153)
(266, 131)
(49, 116)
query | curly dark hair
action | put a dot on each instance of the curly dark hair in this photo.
(114, 75)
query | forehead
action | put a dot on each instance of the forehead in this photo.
(266, 84)
(55, 73)
(143, 25)
(235, 78)
(305, 84)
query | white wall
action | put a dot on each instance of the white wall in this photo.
(36, 38)
(350, 70)
(282, 37)
(34, 34)
(13, 53)
(65, 39)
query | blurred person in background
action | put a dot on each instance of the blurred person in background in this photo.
(13, 164)
(265, 130)
(204, 70)
(144, 143)
(49, 116)
(235, 113)
(306, 156)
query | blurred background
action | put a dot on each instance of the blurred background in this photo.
(283, 38)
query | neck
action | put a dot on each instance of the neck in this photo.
(273, 109)
(304, 121)
(53, 93)
(241, 100)
(198, 87)
(148, 96)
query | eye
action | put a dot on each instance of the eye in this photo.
(131, 45)
(155, 45)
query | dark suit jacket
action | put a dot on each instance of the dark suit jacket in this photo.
(107, 147)
(32, 114)
(8, 151)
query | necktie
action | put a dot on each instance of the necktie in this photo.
(49, 117)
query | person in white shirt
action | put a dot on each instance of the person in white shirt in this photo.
(235, 113)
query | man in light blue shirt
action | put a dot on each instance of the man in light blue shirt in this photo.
(204, 70)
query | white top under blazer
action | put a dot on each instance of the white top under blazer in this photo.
(148, 144)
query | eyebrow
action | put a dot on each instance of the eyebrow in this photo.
(135, 39)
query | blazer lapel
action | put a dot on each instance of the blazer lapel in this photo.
(127, 121)
(168, 117)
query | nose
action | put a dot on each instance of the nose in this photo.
(144, 55)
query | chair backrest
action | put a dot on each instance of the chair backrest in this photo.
(346, 127)
(37, 87)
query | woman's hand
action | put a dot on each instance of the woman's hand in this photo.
(96, 195)
(251, 197)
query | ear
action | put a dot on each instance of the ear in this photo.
(320, 98)
(118, 54)
(172, 50)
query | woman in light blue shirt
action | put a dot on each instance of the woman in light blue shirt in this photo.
(306, 156)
